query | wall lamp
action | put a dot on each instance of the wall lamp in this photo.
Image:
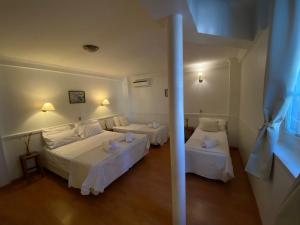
(200, 77)
(105, 102)
(47, 107)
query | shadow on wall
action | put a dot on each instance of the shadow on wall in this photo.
(4, 176)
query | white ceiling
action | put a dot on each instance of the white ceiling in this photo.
(131, 42)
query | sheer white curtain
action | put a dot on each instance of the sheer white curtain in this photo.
(281, 74)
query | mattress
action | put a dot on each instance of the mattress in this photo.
(213, 163)
(157, 136)
(89, 167)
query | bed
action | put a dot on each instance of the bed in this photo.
(87, 165)
(212, 163)
(157, 136)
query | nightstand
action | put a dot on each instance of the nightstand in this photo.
(188, 131)
(36, 161)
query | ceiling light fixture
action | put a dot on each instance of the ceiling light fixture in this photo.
(90, 48)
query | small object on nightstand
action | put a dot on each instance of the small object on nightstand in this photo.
(32, 156)
(188, 131)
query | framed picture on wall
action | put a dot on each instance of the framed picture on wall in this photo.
(76, 97)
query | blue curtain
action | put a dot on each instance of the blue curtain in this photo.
(293, 123)
(282, 69)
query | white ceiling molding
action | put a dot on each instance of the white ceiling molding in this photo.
(208, 65)
(8, 62)
(242, 54)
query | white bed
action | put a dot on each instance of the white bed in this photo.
(157, 136)
(213, 163)
(89, 167)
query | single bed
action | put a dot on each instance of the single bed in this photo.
(213, 163)
(87, 164)
(157, 136)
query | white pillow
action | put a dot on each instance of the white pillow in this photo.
(57, 138)
(57, 129)
(92, 130)
(102, 123)
(88, 128)
(209, 124)
(222, 124)
(123, 121)
(117, 121)
(109, 123)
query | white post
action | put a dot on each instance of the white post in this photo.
(176, 121)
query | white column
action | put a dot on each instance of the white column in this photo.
(176, 121)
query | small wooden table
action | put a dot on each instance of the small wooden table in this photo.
(32, 156)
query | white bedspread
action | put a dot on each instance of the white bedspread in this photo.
(90, 167)
(213, 163)
(158, 136)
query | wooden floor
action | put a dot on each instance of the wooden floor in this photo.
(141, 196)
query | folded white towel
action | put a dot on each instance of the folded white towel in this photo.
(111, 146)
(209, 142)
(129, 137)
(114, 145)
(154, 125)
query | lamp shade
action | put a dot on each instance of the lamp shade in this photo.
(47, 107)
(105, 102)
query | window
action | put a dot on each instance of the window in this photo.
(293, 118)
(288, 146)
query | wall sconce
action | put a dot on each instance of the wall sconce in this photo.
(105, 102)
(47, 107)
(200, 76)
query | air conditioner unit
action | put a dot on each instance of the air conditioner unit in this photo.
(142, 82)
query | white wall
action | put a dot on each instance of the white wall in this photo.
(148, 103)
(4, 179)
(212, 97)
(268, 194)
(23, 92)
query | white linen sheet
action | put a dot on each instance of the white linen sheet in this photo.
(213, 163)
(89, 167)
(158, 136)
